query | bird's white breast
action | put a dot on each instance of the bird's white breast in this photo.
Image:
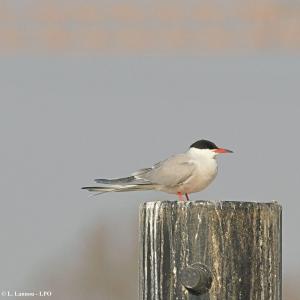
(206, 169)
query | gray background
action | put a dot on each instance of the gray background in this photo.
(68, 120)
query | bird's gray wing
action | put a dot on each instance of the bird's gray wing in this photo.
(170, 172)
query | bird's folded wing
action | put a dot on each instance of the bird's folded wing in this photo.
(171, 172)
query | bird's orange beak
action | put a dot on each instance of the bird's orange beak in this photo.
(222, 150)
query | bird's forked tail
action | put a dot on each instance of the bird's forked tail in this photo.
(126, 184)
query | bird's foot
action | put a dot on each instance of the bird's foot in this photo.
(180, 197)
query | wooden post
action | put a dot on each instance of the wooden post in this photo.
(210, 250)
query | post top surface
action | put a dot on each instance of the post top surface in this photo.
(212, 204)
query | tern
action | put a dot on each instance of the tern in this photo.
(181, 174)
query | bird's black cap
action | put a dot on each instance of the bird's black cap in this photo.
(204, 144)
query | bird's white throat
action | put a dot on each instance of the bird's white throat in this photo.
(202, 153)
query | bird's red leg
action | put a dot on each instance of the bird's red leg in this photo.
(180, 196)
(187, 197)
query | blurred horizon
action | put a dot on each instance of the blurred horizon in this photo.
(142, 27)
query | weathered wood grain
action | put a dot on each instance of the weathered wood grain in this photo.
(239, 242)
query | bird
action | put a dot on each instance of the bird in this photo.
(181, 174)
